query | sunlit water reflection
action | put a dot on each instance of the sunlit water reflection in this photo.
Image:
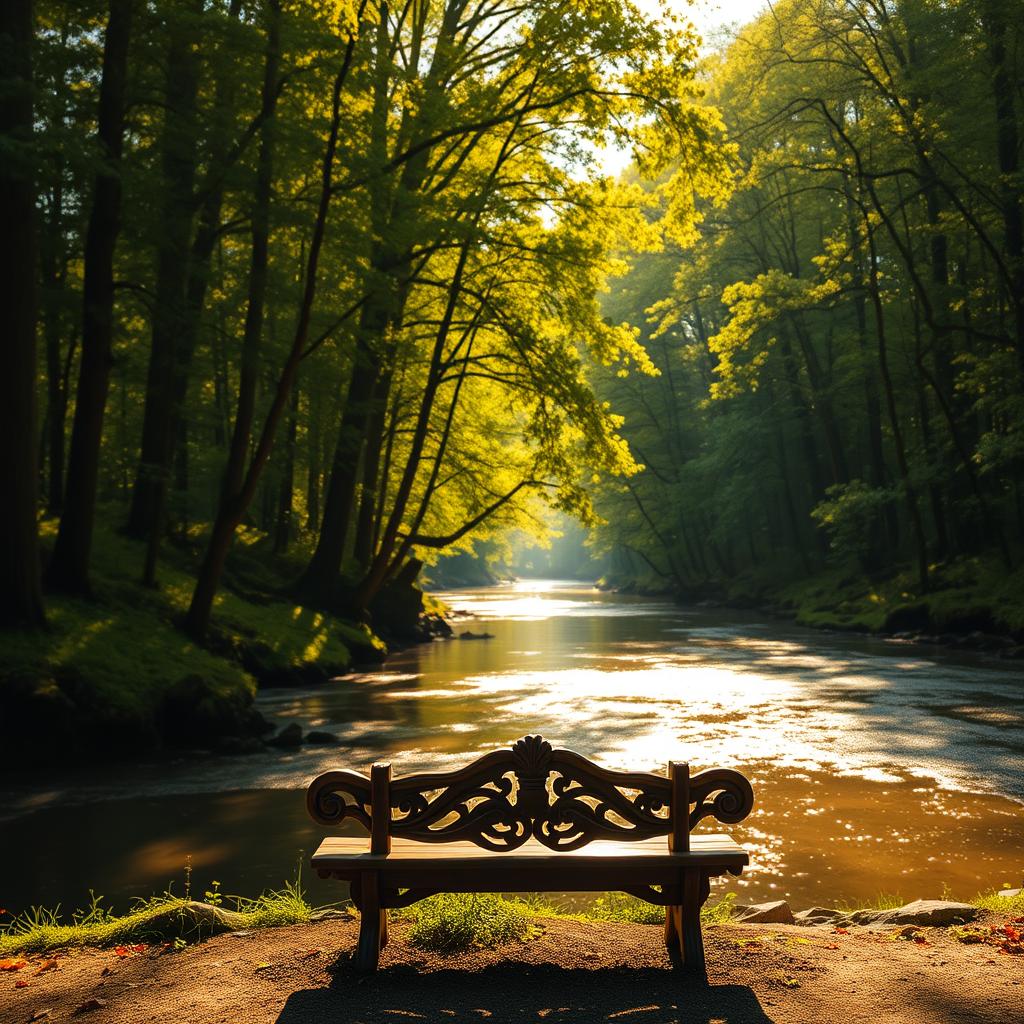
(876, 766)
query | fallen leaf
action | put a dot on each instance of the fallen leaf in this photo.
(263, 967)
(140, 948)
(831, 945)
(41, 1015)
(47, 965)
(21, 983)
(840, 931)
(790, 982)
(15, 964)
(121, 951)
(91, 1004)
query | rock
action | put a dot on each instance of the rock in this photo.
(470, 635)
(95, 1003)
(935, 913)
(191, 920)
(289, 736)
(777, 912)
(330, 914)
(816, 915)
(317, 738)
(1009, 894)
(239, 745)
(907, 618)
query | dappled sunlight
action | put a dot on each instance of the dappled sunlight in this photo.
(852, 745)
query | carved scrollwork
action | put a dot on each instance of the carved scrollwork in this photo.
(325, 798)
(720, 793)
(530, 790)
(592, 803)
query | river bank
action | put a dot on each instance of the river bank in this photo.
(858, 750)
(569, 970)
(971, 603)
(113, 676)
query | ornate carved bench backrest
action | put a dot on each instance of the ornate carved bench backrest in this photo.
(504, 798)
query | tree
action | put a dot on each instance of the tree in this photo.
(20, 588)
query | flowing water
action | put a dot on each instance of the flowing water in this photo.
(877, 767)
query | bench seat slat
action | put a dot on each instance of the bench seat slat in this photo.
(342, 851)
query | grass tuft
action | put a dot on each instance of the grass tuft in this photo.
(1012, 906)
(166, 918)
(455, 922)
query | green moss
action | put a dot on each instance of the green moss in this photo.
(116, 672)
(161, 919)
(963, 595)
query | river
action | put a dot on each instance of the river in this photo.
(878, 767)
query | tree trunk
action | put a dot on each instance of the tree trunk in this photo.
(69, 567)
(1004, 90)
(283, 525)
(174, 231)
(909, 492)
(21, 600)
(53, 263)
(233, 506)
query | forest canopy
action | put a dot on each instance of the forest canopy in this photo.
(351, 280)
(327, 270)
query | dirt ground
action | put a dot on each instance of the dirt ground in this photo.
(573, 973)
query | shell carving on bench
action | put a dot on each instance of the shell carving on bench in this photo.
(530, 790)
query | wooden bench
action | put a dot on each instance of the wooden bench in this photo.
(528, 819)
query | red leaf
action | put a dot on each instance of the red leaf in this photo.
(13, 965)
(121, 951)
(47, 965)
(21, 983)
(840, 931)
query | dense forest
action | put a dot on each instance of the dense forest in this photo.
(300, 295)
(840, 350)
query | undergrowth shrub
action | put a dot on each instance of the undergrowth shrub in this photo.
(454, 922)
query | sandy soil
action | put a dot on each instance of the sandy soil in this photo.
(572, 972)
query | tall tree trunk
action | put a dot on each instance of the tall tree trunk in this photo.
(364, 539)
(233, 504)
(69, 567)
(53, 263)
(21, 599)
(313, 458)
(174, 232)
(909, 493)
(283, 523)
(1004, 90)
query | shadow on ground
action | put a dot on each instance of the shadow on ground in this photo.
(522, 992)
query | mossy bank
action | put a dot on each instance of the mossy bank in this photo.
(113, 675)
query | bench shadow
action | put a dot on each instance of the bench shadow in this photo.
(517, 992)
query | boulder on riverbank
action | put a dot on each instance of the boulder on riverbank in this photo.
(930, 913)
(924, 913)
(776, 912)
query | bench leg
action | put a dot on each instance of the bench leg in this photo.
(372, 923)
(696, 887)
(672, 927)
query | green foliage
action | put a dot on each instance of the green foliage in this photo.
(104, 672)
(161, 919)
(851, 516)
(454, 922)
(1011, 906)
(620, 906)
(965, 594)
